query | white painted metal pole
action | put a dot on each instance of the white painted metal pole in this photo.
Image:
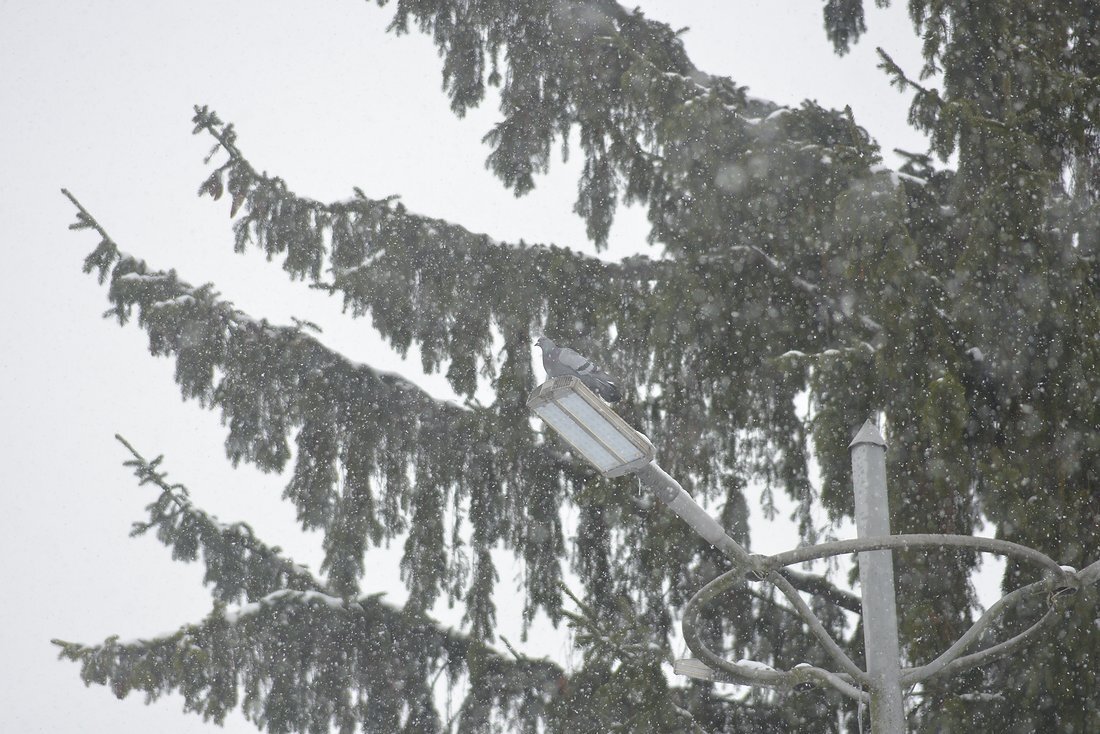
(876, 577)
(669, 491)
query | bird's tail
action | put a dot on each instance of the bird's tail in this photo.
(603, 387)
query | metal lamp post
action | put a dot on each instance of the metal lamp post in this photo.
(607, 442)
(876, 578)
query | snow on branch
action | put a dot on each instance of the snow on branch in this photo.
(410, 272)
(295, 627)
(304, 660)
(375, 455)
(367, 219)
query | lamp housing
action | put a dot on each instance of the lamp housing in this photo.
(592, 428)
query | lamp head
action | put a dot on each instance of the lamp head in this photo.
(598, 434)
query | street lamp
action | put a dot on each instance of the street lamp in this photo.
(608, 443)
(614, 448)
(589, 426)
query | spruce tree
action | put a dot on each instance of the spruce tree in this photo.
(959, 302)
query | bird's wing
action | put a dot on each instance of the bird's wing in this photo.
(578, 362)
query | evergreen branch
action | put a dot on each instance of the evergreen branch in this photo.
(403, 274)
(363, 437)
(928, 105)
(899, 77)
(511, 649)
(134, 285)
(84, 218)
(147, 472)
(449, 238)
(106, 253)
(411, 273)
(648, 101)
(826, 303)
(238, 565)
(336, 639)
(820, 586)
(978, 378)
(616, 641)
(305, 659)
(636, 654)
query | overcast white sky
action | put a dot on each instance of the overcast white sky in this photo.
(97, 97)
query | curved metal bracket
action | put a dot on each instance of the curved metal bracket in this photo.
(756, 673)
(1058, 582)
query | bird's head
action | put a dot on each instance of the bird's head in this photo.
(544, 343)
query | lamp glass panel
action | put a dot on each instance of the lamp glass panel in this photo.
(564, 424)
(602, 427)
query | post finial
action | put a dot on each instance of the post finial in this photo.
(868, 434)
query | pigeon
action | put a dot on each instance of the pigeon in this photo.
(563, 361)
